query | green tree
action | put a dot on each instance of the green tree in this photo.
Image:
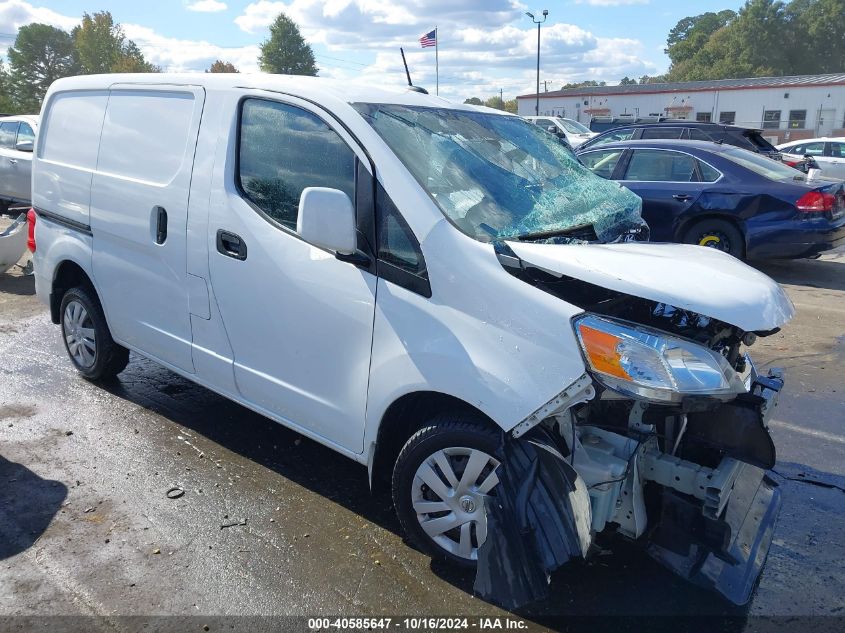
(511, 106)
(474, 101)
(102, 47)
(220, 66)
(41, 54)
(656, 79)
(816, 35)
(766, 37)
(495, 102)
(583, 84)
(627, 81)
(286, 52)
(690, 34)
(7, 104)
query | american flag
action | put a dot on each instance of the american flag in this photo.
(429, 39)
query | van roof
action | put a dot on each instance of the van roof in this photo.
(314, 88)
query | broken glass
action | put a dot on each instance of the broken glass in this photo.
(498, 177)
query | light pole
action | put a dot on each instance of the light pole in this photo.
(538, 23)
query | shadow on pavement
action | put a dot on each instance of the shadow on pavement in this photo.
(23, 285)
(815, 273)
(28, 504)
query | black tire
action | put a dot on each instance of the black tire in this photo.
(441, 432)
(719, 234)
(109, 358)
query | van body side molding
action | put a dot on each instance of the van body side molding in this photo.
(63, 221)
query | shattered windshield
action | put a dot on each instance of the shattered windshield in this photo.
(499, 177)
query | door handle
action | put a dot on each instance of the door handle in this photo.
(161, 225)
(14, 161)
(682, 197)
(231, 245)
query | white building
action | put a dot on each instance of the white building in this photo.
(787, 108)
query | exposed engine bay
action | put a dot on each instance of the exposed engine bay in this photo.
(682, 473)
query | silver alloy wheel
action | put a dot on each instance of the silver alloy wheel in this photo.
(448, 496)
(79, 334)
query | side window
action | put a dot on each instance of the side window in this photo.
(544, 123)
(621, 134)
(284, 149)
(837, 150)
(697, 135)
(662, 132)
(655, 165)
(809, 149)
(602, 162)
(8, 132)
(396, 243)
(708, 174)
(25, 133)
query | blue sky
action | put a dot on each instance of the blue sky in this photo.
(485, 45)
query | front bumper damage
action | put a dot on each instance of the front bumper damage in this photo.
(691, 488)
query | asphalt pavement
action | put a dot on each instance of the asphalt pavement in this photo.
(270, 523)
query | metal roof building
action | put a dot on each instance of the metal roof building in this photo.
(791, 107)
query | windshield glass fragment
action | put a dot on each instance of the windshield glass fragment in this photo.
(498, 177)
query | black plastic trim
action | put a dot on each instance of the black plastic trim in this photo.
(63, 221)
(400, 277)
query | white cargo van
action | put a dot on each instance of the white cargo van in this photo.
(411, 282)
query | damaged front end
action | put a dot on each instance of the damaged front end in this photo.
(668, 434)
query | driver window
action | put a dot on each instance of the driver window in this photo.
(284, 149)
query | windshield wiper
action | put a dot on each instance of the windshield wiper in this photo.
(580, 228)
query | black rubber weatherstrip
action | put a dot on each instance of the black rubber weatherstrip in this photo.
(63, 221)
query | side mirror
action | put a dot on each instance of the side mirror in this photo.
(553, 130)
(327, 219)
(24, 146)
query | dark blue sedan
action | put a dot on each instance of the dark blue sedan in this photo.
(725, 197)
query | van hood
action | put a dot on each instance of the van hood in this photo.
(694, 278)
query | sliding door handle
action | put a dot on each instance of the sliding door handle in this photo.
(161, 225)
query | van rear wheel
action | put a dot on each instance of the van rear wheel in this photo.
(87, 338)
(440, 479)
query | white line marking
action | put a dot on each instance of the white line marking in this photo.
(830, 437)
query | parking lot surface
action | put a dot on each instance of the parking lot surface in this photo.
(271, 523)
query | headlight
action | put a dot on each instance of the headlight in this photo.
(653, 365)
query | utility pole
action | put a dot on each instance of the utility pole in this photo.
(501, 95)
(538, 23)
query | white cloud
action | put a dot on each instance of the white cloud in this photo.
(16, 13)
(484, 44)
(207, 6)
(180, 55)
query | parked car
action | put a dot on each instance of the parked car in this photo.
(406, 281)
(572, 131)
(828, 154)
(746, 138)
(599, 124)
(17, 135)
(724, 197)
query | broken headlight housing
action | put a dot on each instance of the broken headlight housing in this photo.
(653, 365)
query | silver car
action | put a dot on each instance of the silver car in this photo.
(17, 139)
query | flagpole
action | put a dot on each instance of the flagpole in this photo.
(436, 60)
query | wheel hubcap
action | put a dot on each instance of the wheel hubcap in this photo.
(716, 240)
(448, 496)
(79, 334)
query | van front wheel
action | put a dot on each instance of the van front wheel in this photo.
(440, 481)
(87, 339)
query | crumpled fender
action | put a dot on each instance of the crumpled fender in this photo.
(539, 519)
